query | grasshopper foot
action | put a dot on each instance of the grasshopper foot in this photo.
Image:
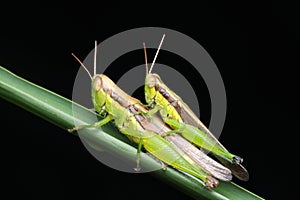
(137, 169)
(211, 182)
(237, 160)
(71, 130)
(163, 166)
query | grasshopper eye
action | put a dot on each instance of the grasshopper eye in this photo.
(97, 83)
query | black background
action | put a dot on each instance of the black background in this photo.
(256, 48)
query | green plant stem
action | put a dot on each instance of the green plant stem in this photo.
(58, 110)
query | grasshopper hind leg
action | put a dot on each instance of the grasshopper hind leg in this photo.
(201, 139)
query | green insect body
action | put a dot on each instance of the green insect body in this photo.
(181, 118)
(121, 108)
(125, 111)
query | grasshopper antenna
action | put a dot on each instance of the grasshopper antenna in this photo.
(95, 57)
(82, 65)
(157, 53)
(145, 52)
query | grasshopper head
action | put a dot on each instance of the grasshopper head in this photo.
(98, 94)
(151, 81)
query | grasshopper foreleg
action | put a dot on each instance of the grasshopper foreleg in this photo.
(150, 112)
(95, 125)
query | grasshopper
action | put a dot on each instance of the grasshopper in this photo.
(181, 118)
(125, 111)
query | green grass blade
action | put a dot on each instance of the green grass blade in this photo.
(58, 110)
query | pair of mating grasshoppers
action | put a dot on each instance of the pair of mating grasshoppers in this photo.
(174, 138)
